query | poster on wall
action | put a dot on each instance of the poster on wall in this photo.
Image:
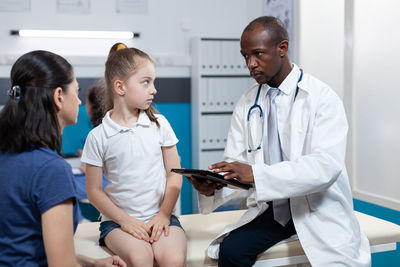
(131, 6)
(15, 5)
(73, 6)
(283, 10)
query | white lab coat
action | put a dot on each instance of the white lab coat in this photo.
(312, 175)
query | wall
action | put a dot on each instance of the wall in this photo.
(321, 41)
(165, 30)
(375, 109)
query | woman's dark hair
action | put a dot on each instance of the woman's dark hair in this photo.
(95, 96)
(30, 121)
(122, 62)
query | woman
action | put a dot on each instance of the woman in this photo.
(38, 191)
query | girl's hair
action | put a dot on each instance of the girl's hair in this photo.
(29, 118)
(95, 96)
(122, 62)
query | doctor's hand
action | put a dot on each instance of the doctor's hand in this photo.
(240, 171)
(203, 186)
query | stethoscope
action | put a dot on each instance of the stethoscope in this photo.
(257, 107)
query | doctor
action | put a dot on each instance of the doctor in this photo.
(287, 138)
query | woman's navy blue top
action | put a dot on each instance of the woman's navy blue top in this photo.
(31, 183)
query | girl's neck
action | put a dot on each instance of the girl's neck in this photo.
(124, 116)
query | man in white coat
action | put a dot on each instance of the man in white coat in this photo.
(294, 156)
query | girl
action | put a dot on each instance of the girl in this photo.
(137, 149)
(37, 186)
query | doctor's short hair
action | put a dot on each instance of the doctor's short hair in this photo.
(29, 119)
(273, 25)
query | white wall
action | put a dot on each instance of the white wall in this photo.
(161, 30)
(375, 102)
(321, 41)
(254, 9)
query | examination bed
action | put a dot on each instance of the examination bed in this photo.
(382, 236)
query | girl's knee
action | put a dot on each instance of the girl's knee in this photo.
(139, 256)
(172, 259)
(139, 259)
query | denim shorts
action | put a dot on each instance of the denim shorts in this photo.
(108, 226)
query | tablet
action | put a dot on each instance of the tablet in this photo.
(203, 174)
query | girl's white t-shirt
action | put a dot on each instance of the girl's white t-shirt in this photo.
(133, 162)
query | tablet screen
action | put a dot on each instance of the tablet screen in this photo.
(204, 174)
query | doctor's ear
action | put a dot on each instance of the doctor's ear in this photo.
(119, 87)
(283, 48)
(58, 98)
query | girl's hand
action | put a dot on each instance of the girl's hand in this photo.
(157, 224)
(136, 228)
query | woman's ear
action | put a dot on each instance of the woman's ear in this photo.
(119, 87)
(58, 98)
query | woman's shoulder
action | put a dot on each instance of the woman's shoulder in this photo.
(50, 157)
(44, 154)
(33, 160)
(40, 160)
